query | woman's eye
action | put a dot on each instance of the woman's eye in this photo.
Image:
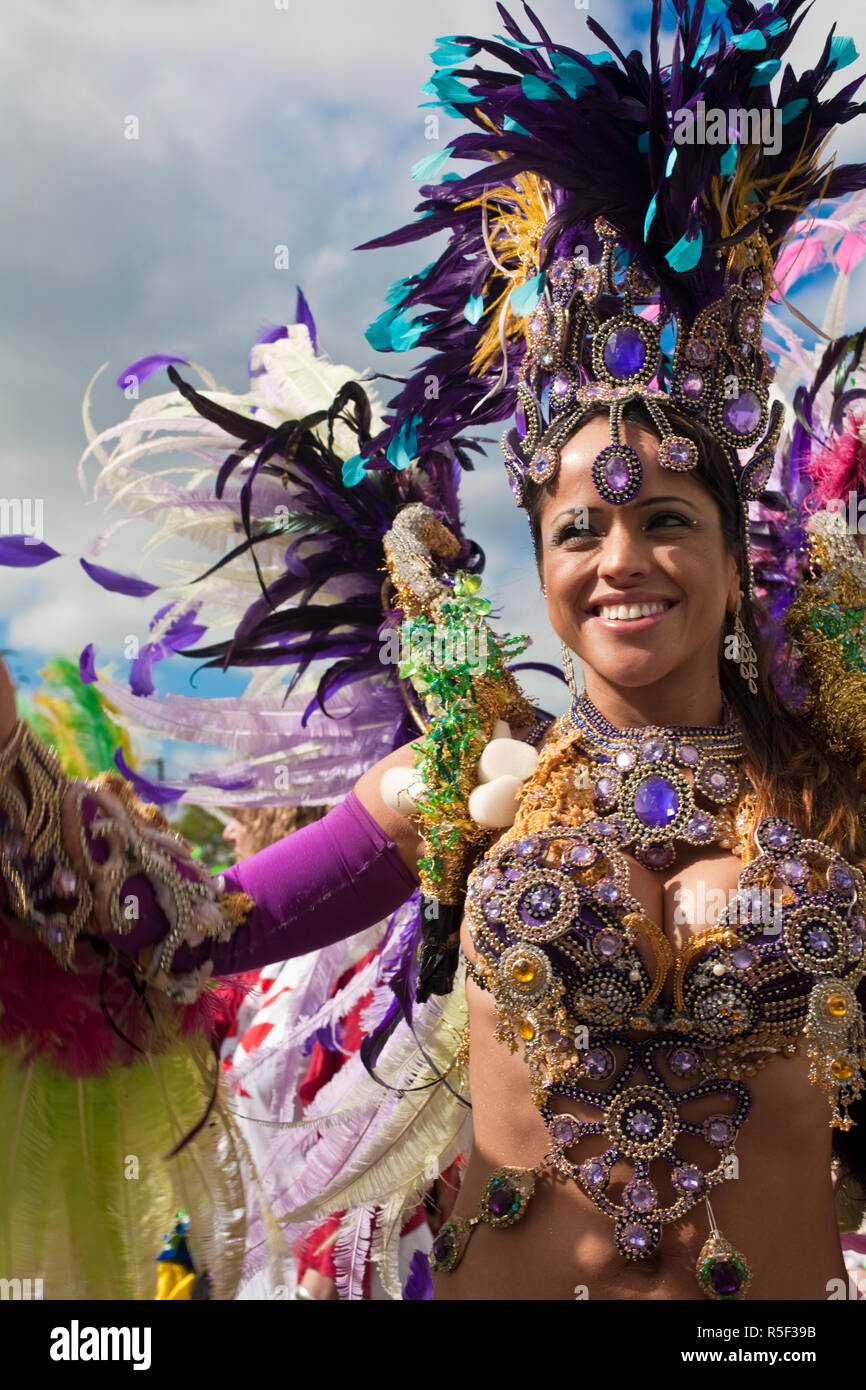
(571, 530)
(674, 518)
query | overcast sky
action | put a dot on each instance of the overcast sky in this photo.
(260, 123)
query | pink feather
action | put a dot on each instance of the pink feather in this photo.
(841, 468)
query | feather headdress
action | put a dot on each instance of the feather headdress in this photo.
(617, 242)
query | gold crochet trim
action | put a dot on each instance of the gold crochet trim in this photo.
(45, 809)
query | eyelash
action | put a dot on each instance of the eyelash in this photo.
(585, 533)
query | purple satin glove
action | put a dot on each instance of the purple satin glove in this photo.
(330, 880)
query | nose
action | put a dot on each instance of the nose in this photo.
(624, 553)
(230, 832)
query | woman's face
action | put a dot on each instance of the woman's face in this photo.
(664, 548)
(237, 834)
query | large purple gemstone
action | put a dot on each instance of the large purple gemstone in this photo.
(501, 1200)
(656, 802)
(624, 352)
(443, 1245)
(725, 1278)
(741, 413)
(616, 473)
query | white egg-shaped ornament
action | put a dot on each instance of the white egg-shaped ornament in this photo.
(501, 729)
(507, 757)
(494, 804)
(401, 788)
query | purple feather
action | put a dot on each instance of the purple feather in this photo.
(23, 552)
(144, 367)
(303, 314)
(419, 1284)
(117, 583)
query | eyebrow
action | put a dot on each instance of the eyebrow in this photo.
(647, 502)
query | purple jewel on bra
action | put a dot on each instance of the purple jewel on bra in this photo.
(625, 759)
(682, 1061)
(593, 1173)
(443, 1244)
(639, 1195)
(819, 940)
(642, 1123)
(718, 1130)
(582, 855)
(794, 870)
(636, 1236)
(526, 849)
(599, 1063)
(743, 957)
(608, 944)
(688, 1178)
(563, 1132)
(699, 826)
(604, 788)
(688, 754)
(657, 856)
(840, 876)
(608, 891)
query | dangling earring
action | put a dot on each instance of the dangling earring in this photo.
(567, 663)
(568, 670)
(747, 657)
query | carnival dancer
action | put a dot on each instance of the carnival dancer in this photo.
(649, 1078)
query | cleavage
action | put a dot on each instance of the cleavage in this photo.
(684, 899)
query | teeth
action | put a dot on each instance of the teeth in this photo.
(624, 611)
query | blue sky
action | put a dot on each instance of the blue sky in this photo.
(260, 124)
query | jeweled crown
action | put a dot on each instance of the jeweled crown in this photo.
(602, 332)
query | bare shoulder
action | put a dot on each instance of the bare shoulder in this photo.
(397, 827)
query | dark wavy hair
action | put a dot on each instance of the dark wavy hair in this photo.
(793, 776)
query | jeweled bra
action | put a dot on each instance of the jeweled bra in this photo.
(557, 936)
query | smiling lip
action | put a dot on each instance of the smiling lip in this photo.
(629, 624)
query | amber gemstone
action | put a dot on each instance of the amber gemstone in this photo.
(523, 971)
(526, 1030)
(842, 1069)
(837, 1005)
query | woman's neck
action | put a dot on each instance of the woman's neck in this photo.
(667, 705)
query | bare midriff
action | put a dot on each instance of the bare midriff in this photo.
(777, 1211)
